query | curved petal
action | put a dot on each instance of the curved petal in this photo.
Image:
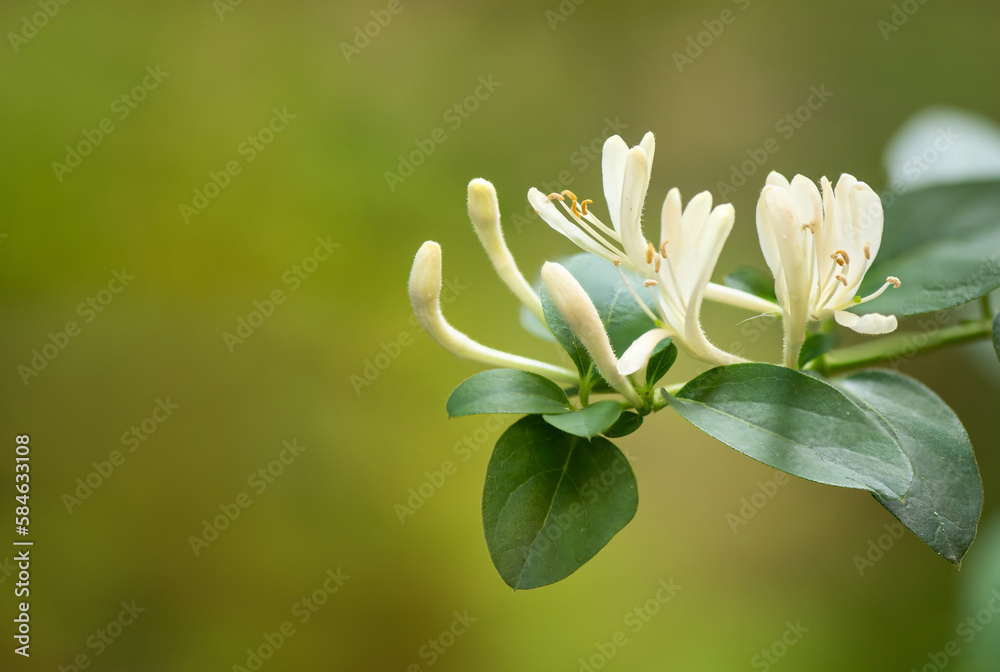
(776, 179)
(807, 200)
(613, 158)
(866, 211)
(636, 357)
(670, 219)
(871, 324)
(548, 211)
(633, 196)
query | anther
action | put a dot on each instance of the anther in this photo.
(840, 256)
(663, 248)
(554, 197)
(842, 279)
(650, 251)
(868, 250)
(656, 266)
(617, 262)
(583, 205)
(894, 281)
(650, 283)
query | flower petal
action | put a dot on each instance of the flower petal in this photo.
(776, 179)
(613, 158)
(871, 324)
(636, 357)
(558, 221)
(670, 219)
(633, 197)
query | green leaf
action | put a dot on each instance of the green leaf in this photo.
(942, 243)
(753, 281)
(566, 338)
(552, 501)
(796, 423)
(507, 391)
(979, 600)
(590, 421)
(627, 422)
(946, 496)
(815, 346)
(996, 333)
(664, 356)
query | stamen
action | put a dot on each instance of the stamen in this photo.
(555, 197)
(894, 281)
(868, 250)
(811, 226)
(650, 283)
(842, 279)
(840, 256)
(663, 248)
(617, 263)
(650, 251)
(656, 265)
(583, 206)
(635, 295)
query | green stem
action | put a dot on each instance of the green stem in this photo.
(903, 346)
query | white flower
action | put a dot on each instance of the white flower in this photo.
(576, 307)
(676, 271)
(819, 249)
(425, 296)
(484, 211)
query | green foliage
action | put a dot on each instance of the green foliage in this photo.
(796, 423)
(996, 333)
(552, 501)
(945, 499)
(753, 281)
(942, 242)
(592, 420)
(664, 356)
(815, 346)
(507, 391)
(628, 422)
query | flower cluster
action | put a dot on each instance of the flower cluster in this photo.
(818, 246)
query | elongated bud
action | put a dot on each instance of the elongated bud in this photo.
(484, 211)
(425, 297)
(578, 310)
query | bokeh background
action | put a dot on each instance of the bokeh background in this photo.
(561, 72)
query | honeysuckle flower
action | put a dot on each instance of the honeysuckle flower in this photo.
(819, 249)
(484, 211)
(579, 312)
(425, 296)
(676, 271)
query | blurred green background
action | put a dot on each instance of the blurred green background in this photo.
(224, 69)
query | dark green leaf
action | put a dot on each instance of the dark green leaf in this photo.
(664, 356)
(566, 338)
(942, 243)
(627, 422)
(752, 281)
(798, 424)
(589, 422)
(815, 346)
(552, 501)
(946, 496)
(996, 333)
(507, 391)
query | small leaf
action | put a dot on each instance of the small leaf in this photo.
(566, 337)
(753, 281)
(798, 424)
(628, 422)
(815, 346)
(946, 496)
(589, 422)
(664, 356)
(507, 391)
(552, 501)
